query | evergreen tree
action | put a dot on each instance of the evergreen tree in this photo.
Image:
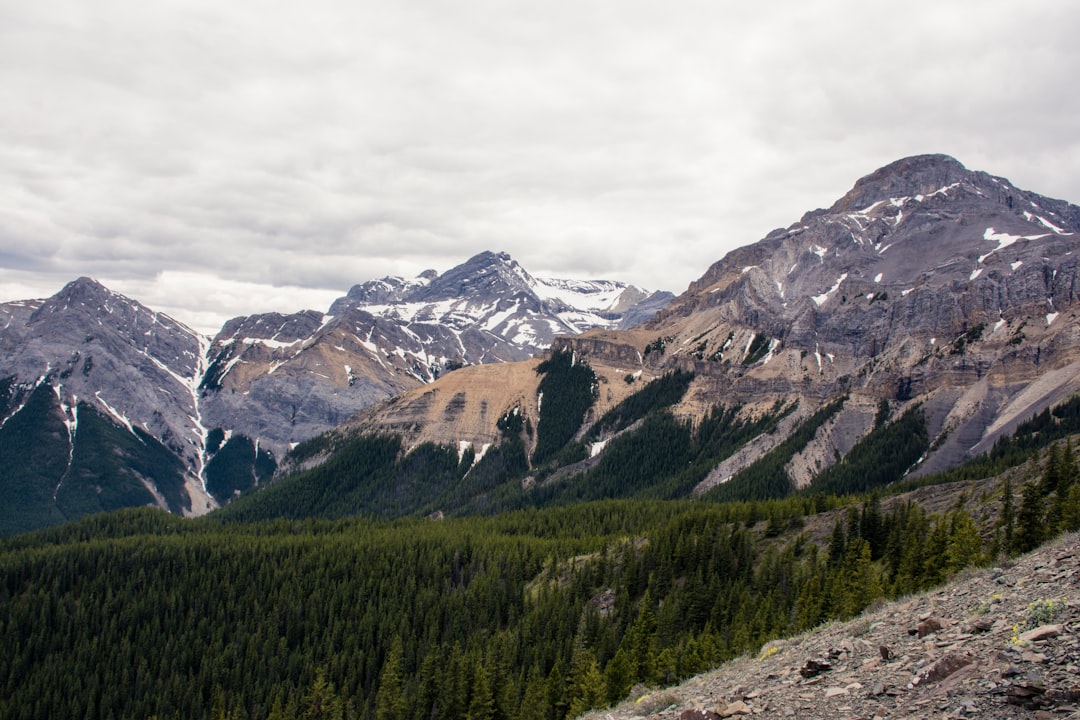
(810, 606)
(1071, 513)
(534, 700)
(482, 703)
(390, 698)
(641, 641)
(1007, 520)
(1030, 530)
(935, 564)
(858, 579)
(1052, 470)
(965, 544)
(618, 676)
(586, 686)
(557, 697)
(837, 545)
(1069, 470)
(871, 527)
(321, 702)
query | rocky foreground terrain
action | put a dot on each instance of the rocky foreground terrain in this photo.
(1000, 642)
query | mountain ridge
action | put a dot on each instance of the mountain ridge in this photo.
(228, 407)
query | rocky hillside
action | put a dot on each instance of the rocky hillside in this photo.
(99, 409)
(999, 643)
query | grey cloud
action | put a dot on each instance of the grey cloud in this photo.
(314, 146)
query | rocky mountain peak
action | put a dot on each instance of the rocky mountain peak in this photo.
(272, 326)
(908, 177)
(484, 274)
(83, 291)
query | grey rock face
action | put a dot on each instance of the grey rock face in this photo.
(115, 353)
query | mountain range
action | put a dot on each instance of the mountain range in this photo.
(924, 316)
(105, 403)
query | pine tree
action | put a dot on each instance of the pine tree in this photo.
(321, 702)
(390, 698)
(482, 703)
(557, 698)
(1007, 520)
(1052, 471)
(965, 544)
(642, 639)
(810, 606)
(1069, 470)
(871, 527)
(534, 700)
(618, 676)
(858, 579)
(837, 545)
(1070, 516)
(1030, 530)
(586, 685)
(935, 564)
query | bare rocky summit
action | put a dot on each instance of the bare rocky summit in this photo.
(998, 643)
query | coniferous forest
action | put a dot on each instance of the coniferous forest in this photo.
(535, 614)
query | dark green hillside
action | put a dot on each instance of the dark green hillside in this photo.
(7, 391)
(235, 465)
(34, 453)
(46, 480)
(662, 392)
(567, 391)
(106, 467)
(664, 458)
(882, 457)
(359, 472)
(766, 477)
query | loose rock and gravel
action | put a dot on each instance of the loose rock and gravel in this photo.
(998, 643)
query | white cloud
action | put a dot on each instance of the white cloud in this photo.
(317, 145)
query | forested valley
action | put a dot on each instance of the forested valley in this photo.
(529, 615)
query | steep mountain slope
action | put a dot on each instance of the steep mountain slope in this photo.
(935, 305)
(99, 408)
(193, 421)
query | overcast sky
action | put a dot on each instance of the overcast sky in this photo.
(214, 158)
